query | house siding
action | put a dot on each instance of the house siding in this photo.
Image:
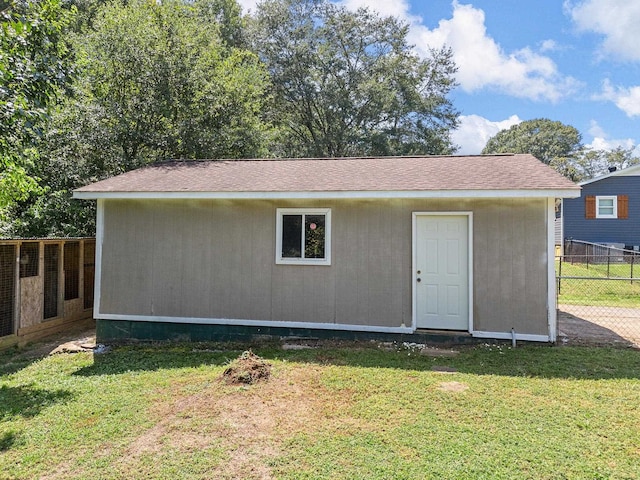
(215, 259)
(605, 230)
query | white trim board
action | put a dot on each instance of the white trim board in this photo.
(561, 193)
(525, 337)
(552, 321)
(255, 323)
(98, 260)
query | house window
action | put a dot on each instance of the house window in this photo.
(606, 207)
(303, 236)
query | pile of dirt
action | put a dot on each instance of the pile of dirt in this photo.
(247, 369)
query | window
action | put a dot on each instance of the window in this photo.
(606, 207)
(303, 236)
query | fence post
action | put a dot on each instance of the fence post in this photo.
(559, 275)
(633, 256)
(586, 251)
(608, 262)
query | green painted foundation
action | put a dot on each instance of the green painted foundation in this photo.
(127, 331)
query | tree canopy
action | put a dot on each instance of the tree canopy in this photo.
(36, 65)
(155, 81)
(547, 140)
(593, 163)
(560, 146)
(347, 83)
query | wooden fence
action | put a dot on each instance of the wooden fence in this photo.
(46, 286)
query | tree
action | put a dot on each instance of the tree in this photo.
(168, 86)
(549, 141)
(348, 83)
(36, 65)
(156, 81)
(593, 163)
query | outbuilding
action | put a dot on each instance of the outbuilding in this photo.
(608, 213)
(346, 247)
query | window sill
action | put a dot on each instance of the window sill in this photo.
(304, 261)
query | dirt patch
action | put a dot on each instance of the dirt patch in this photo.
(68, 342)
(455, 387)
(247, 422)
(247, 369)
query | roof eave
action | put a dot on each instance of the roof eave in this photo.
(522, 193)
(622, 172)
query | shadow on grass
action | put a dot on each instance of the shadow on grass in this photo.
(14, 360)
(28, 401)
(523, 361)
(8, 440)
(158, 357)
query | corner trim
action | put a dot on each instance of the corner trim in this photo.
(552, 321)
(98, 259)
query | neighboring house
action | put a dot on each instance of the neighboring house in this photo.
(384, 247)
(608, 212)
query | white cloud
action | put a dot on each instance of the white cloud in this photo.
(398, 8)
(616, 20)
(626, 99)
(475, 131)
(601, 141)
(549, 45)
(482, 62)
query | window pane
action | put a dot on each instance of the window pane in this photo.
(29, 253)
(291, 236)
(314, 236)
(605, 211)
(605, 206)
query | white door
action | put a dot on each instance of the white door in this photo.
(442, 272)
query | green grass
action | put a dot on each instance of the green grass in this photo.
(610, 292)
(334, 413)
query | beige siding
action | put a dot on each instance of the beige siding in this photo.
(216, 259)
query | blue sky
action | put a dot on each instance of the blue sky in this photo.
(575, 61)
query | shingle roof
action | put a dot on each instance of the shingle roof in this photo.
(380, 174)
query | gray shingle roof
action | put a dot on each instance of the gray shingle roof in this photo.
(380, 174)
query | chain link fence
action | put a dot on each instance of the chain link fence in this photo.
(598, 296)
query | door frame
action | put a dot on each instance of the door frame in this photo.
(414, 251)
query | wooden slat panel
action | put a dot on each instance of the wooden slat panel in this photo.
(590, 207)
(623, 207)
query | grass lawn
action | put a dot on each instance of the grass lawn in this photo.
(340, 412)
(614, 293)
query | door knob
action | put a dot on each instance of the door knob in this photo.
(418, 280)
